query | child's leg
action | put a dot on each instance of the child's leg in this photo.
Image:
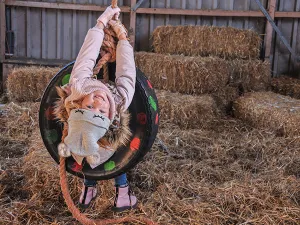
(121, 180)
(88, 193)
(124, 199)
(90, 183)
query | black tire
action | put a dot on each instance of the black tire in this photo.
(143, 124)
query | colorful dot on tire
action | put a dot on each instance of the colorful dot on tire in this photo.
(49, 113)
(142, 118)
(51, 135)
(135, 144)
(156, 119)
(152, 103)
(65, 79)
(149, 84)
(109, 166)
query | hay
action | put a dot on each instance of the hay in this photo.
(224, 42)
(250, 75)
(29, 83)
(189, 75)
(185, 110)
(199, 75)
(286, 86)
(225, 97)
(267, 110)
(229, 173)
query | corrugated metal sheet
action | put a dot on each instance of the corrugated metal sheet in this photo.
(58, 34)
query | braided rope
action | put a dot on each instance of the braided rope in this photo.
(109, 49)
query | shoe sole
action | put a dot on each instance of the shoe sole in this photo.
(124, 208)
(85, 206)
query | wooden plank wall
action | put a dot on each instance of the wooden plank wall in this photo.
(55, 35)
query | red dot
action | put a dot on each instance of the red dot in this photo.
(142, 118)
(135, 144)
(156, 119)
(49, 113)
(149, 84)
(76, 167)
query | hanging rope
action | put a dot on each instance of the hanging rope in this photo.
(109, 55)
(108, 49)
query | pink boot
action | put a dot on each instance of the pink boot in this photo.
(88, 194)
(124, 199)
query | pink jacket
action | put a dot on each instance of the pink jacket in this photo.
(85, 62)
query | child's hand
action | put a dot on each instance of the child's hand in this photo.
(108, 15)
(119, 29)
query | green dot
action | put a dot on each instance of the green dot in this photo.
(66, 79)
(51, 136)
(109, 166)
(152, 103)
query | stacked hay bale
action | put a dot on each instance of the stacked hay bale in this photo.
(286, 86)
(27, 84)
(268, 110)
(196, 60)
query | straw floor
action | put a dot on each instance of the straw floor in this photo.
(229, 173)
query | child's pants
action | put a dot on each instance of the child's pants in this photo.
(120, 180)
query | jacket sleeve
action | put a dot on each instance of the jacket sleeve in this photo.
(125, 74)
(87, 55)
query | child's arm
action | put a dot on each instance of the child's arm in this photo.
(125, 74)
(88, 54)
(90, 49)
(125, 69)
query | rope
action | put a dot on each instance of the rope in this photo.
(109, 55)
(81, 217)
(108, 48)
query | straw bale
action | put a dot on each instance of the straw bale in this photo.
(250, 75)
(189, 75)
(29, 83)
(185, 110)
(286, 86)
(225, 97)
(224, 42)
(199, 75)
(268, 110)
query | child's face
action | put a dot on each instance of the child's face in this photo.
(97, 101)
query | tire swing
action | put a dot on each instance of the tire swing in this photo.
(143, 125)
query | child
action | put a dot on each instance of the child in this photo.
(91, 107)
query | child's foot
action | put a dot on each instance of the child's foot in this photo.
(124, 199)
(88, 194)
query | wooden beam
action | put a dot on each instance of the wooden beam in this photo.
(2, 44)
(287, 15)
(38, 62)
(132, 27)
(269, 30)
(200, 12)
(162, 11)
(58, 5)
(2, 30)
